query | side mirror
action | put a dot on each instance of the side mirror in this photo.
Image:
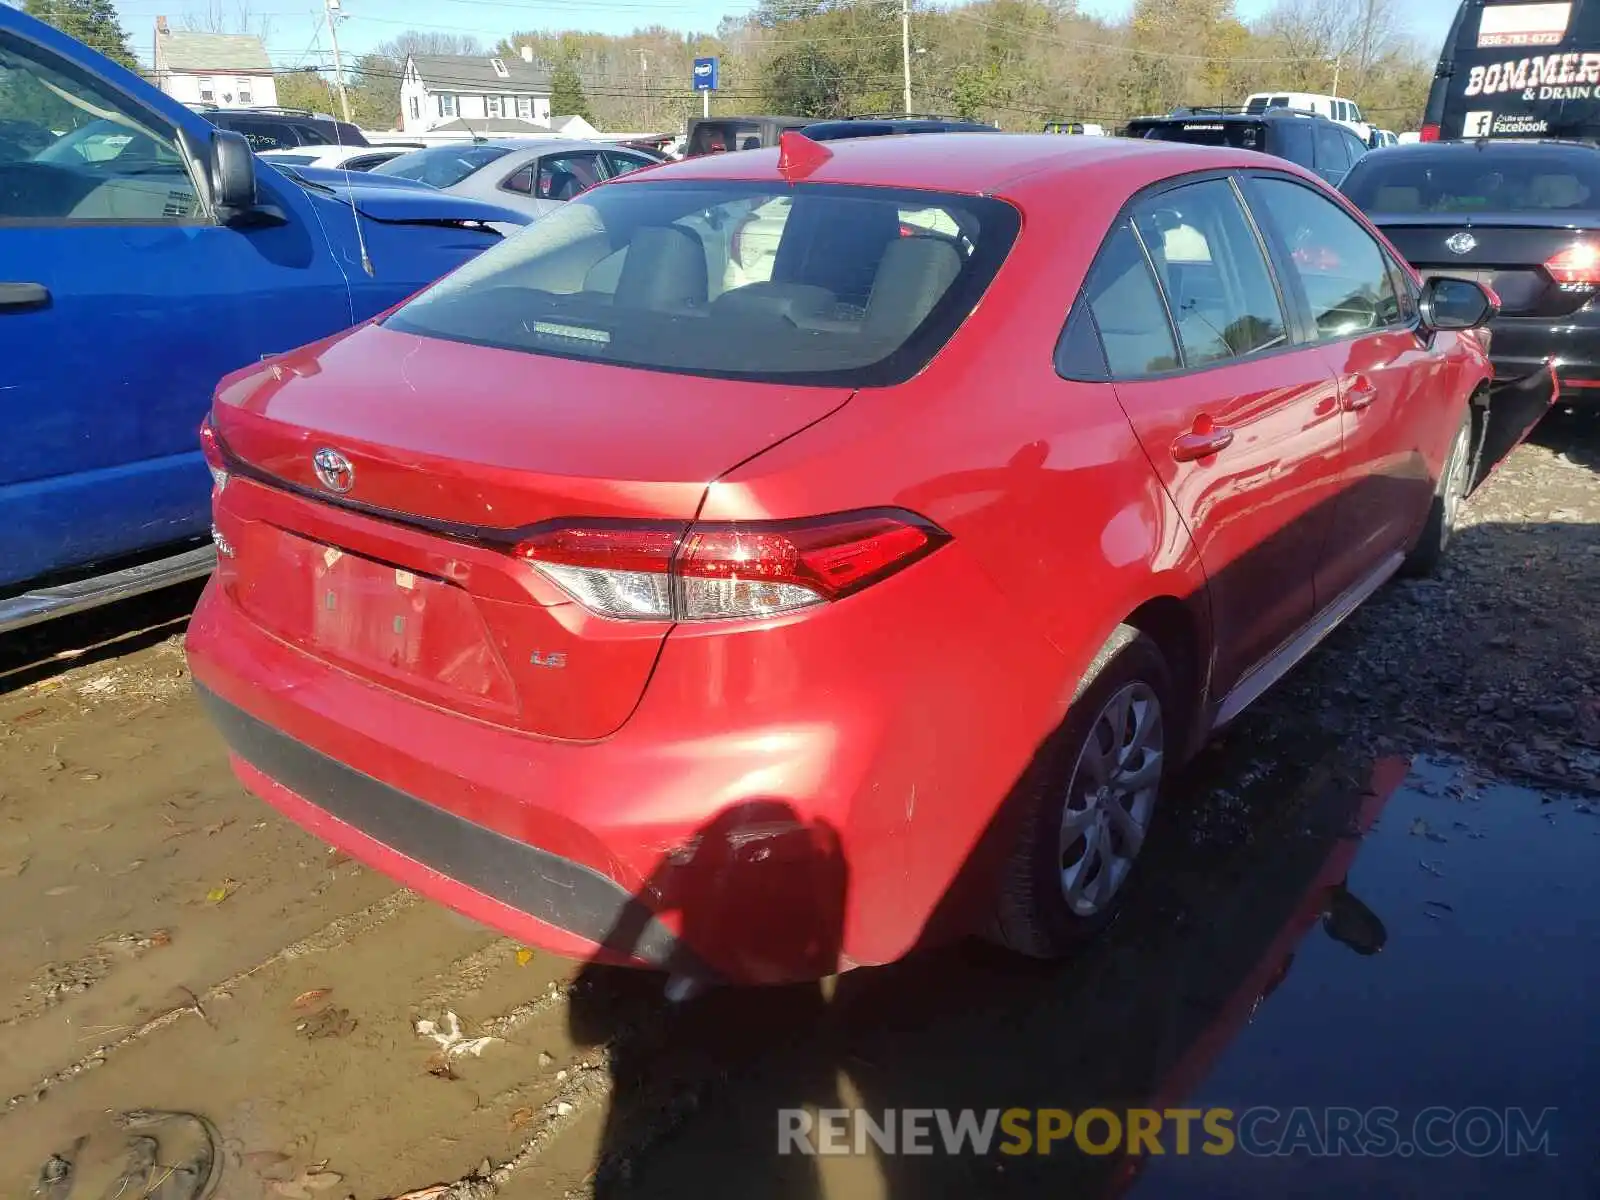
(233, 173)
(1455, 304)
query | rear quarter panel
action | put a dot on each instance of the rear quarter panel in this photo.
(1052, 504)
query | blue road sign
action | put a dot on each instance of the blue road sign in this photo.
(705, 74)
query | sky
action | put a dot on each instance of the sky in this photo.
(296, 36)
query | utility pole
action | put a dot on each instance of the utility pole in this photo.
(1337, 64)
(905, 48)
(332, 7)
(644, 93)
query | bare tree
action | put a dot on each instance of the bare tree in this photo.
(414, 41)
(221, 16)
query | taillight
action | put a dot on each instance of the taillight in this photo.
(1578, 263)
(211, 447)
(653, 572)
(1430, 133)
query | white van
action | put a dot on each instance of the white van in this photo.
(1335, 108)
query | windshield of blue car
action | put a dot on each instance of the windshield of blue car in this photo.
(1499, 179)
(441, 166)
(823, 284)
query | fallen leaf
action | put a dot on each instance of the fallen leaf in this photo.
(12, 870)
(437, 1191)
(524, 956)
(222, 891)
(438, 1065)
(306, 1000)
(519, 1118)
(161, 938)
(218, 826)
(62, 890)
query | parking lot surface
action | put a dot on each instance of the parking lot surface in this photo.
(1377, 890)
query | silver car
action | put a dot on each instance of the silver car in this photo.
(533, 175)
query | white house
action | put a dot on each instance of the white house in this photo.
(439, 88)
(229, 70)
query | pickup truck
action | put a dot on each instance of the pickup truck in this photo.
(144, 254)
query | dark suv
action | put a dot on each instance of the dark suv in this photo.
(1310, 139)
(283, 128)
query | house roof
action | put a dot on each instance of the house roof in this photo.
(184, 50)
(502, 125)
(575, 123)
(468, 73)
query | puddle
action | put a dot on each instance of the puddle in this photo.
(1482, 998)
(1278, 958)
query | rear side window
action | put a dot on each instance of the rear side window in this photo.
(1213, 272)
(1340, 267)
(723, 136)
(1513, 179)
(1121, 292)
(812, 283)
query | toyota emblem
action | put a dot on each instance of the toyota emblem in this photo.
(334, 470)
(1461, 243)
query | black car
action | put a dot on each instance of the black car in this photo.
(715, 135)
(1307, 138)
(855, 127)
(284, 128)
(1522, 217)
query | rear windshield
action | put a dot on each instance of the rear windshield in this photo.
(1511, 179)
(441, 166)
(807, 284)
(723, 136)
(1240, 135)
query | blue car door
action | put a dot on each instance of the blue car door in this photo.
(123, 301)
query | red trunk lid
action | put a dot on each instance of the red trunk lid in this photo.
(456, 446)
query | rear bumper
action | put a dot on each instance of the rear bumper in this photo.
(1523, 346)
(787, 801)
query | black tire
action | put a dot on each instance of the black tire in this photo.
(1033, 916)
(1454, 481)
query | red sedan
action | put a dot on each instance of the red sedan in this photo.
(758, 616)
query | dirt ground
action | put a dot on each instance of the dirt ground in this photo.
(172, 944)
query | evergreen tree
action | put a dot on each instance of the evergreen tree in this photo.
(566, 91)
(92, 22)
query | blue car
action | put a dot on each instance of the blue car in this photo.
(144, 254)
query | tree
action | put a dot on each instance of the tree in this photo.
(92, 22)
(306, 89)
(566, 91)
(806, 80)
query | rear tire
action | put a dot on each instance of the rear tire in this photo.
(1454, 481)
(1089, 802)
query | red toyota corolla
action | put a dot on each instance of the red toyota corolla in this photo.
(773, 562)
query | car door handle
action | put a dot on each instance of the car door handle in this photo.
(1357, 394)
(23, 295)
(1204, 440)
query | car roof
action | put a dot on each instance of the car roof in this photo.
(526, 143)
(959, 162)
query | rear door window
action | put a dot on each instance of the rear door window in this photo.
(1294, 141)
(563, 176)
(1333, 160)
(810, 283)
(1213, 272)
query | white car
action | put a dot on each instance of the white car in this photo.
(347, 158)
(1335, 108)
